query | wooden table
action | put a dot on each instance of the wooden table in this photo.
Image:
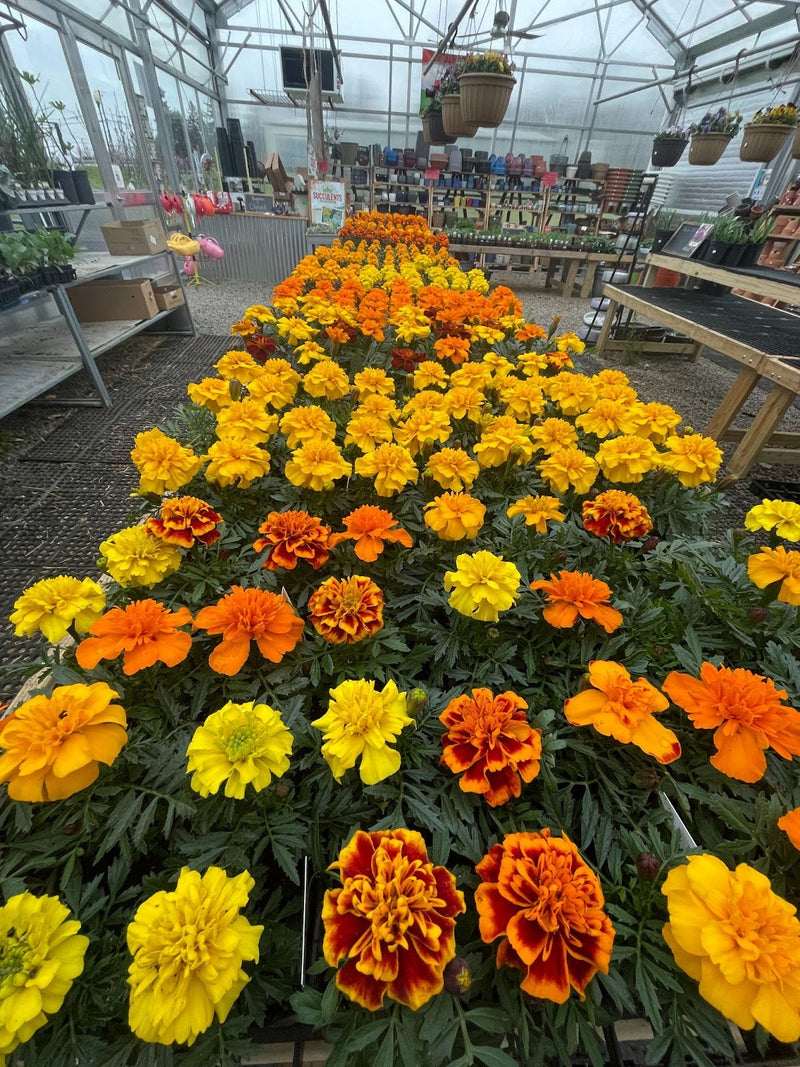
(567, 260)
(764, 341)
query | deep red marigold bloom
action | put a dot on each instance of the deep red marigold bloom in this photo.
(618, 515)
(491, 744)
(144, 632)
(260, 347)
(346, 610)
(393, 920)
(290, 536)
(576, 593)
(184, 520)
(369, 527)
(246, 615)
(539, 895)
(406, 359)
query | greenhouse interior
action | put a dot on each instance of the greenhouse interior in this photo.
(400, 453)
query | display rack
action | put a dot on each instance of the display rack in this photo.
(52, 214)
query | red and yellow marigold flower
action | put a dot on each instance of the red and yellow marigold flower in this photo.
(627, 458)
(782, 516)
(618, 707)
(731, 933)
(290, 536)
(163, 463)
(185, 520)
(772, 565)
(569, 468)
(52, 746)
(236, 461)
(360, 724)
(369, 527)
(346, 610)
(491, 744)
(790, 824)
(143, 633)
(482, 585)
(693, 458)
(541, 898)
(455, 516)
(453, 469)
(745, 711)
(575, 594)
(618, 515)
(537, 511)
(392, 921)
(391, 466)
(53, 605)
(317, 465)
(246, 615)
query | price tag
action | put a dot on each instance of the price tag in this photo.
(549, 178)
(432, 174)
(322, 166)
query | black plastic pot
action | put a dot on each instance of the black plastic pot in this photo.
(65, 181)
(667, 151)
(9, 293)
(661, 238)
(733, 256)
(83, 188)
(750, 254)
(436, 126)
(716, 251)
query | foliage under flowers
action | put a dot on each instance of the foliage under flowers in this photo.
(721, 121)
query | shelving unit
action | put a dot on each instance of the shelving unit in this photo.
(52, 214)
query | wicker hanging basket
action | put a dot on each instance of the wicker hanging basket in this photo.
(453, 120)
(485, 97)
(705, 149)
(762, 141)
(426, 129)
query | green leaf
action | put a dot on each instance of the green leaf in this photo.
(493, 1020)
(492, 1057)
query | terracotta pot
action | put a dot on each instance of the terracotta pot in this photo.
(667, 151)
(762, 141)
(453, 120)
(705, 149)
(485, 97)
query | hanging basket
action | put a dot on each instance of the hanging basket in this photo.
(436, 126)
(762, 141)
(705, 149)
(454, 125)
(667, 151)
(485, 97)
(426, 129)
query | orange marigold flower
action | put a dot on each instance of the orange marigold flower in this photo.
(530, 331)
(618, 707)
(184, 520)
(51, 746)
(772, 565)
(290, 536)
(746, 712)
(455, 516)
(393, 920)
(244, 328)
(346, 610)
(790, 824)
(369, 527)
(491, 744)
(575, 593)
(546, 904)
(145, 631)
(456, 349)
(246, 615)
(618, 515)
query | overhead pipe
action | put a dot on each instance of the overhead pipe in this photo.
(449, 36)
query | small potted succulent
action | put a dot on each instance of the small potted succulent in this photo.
(767, 132)
(450, 94)
(669, 146)
(712, 135)
(487, 81)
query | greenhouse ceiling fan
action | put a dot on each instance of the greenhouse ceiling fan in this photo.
(501, 28)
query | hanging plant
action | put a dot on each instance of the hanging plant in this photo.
(669, 146)
(767, 132)
(487, 81)
(712, 135)
(450, 94)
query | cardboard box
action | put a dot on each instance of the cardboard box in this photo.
(168, 297)
(276, 175)
(142, 237)
(114, 299)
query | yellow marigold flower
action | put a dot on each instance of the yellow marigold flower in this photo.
(627, 458)
(500, 367)
(569, 468)
(367, 431)
(731, 933)
(453, 469)
(693, 458)
(237, 364)
(240, 745)
(134, 557)
(772, 565)
(429, 374)
(522, 398)
(609, 376)
(607, 417)
(327, 379)
(247, 419)
(235, 461)
(426, 400)
(502, 439)
(295, 330)
(163, 463)
(490, 334)
(273, 389)
(464, 402)
(782, 516)
(538, 511)
(259, 312)
(392, 466)
(41, 954)
(316, 465)
(474, 375)
(382, 406)
(373, 380)
(188, 947)
(572, 392)
(53, 605)
(482, 585)
(554, 434)
(422, 429)
(570, 342)
(659, 420)
(304, 424)
(211, 393)
(309, 352)
(410, 323)
(455, 516)
(532, 363)
(362, 722)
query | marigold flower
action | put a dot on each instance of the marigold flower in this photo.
(745, 711)
(346, 610)
(472, 376)
(259, 312)
(52, 745)
(627, 458)
(134, 557)
(273, 388)
(392, 466)
(573, 393)
(546, 904)
(551, 435)
(185, 520)
(369, 527)
(237, 364)
(246, 615)
(240, 745)
(52, 605)
(606, 417)
(41, 954)
(381, 406)
(659, 420)
(236, 461)
(482, 585)
(247, 419)
(295, 330)
(145, 632)
(453, 469)
(491, 744)
(618, 707)
(617, 515)
(576, 593)
(393, 920)
(790, 824)
(502, 439)
(316, 465)
(361, 723)
(731, 933)
(456, 349)
(772, 565)
(311, 423)
(373, 380)
(569, 468)
(538, 511)
(367, 431)
(163, 463)
(211, 393)
(326, 378)
(455, 516)
(422, 429)
(188, 947)
(290, 536)
(530, 331)
(309, 352)
(522, 398)
(429, 374)
(782, 516)
(464, 402)
(693, 458)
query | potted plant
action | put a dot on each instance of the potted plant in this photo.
(757, 236)
(711, 136)
(432, 124)
(669, 146)
(767, 132)
(450, 94)
(664, 228)
(726, 231)
(487, 81)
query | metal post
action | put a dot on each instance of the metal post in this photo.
(389, 109)
(136, 119)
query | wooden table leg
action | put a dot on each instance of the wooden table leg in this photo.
(570, 274)
(697, 348)
(648, 276)
(610, 315)
(732, 402)
(588, 280)
(773, 409)
(552, 266)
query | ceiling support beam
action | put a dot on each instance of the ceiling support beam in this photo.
(660, 30)
(747, 29)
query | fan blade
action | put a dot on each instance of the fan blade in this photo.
(526, 36)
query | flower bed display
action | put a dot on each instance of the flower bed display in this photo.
(411, 653)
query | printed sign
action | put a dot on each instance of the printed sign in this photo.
(550, 177)
(327, 202)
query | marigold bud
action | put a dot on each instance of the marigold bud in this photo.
(650, 543)
(561, 556)
(493, 633)
(70, 829)
(728, 481)
(282, 790)
(757, 614)
(658, 650)
(648, 866)
(646, 778)
(235, 389)
(457, 977)
(416, 701)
